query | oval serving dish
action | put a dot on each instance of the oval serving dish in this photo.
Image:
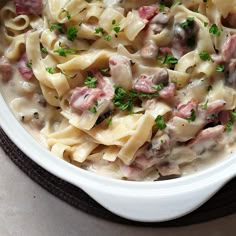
(140, 201)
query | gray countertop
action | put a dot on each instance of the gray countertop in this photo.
(27, 209)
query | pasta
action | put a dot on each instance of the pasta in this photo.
(134, 90)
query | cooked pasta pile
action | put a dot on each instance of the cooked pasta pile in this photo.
(134, 90)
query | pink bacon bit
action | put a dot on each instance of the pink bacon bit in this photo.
(28, 7)
(83, 98)
(229, 48)
(5, 69)
(168, 91)
(144, 84)
(184, 110)
(224, 117)
(208, 134)
(107, 88)
(147, 12)
(24, 68)
(215, 106)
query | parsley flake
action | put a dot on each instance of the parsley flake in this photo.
(230, 123)
(62, 51)
(68, 15)
(169, 60)
(220, 68)
(192, 117)
(188, 23)
(44, 50)
(90, 81)
(71, 33)
(50, 70)
(205, 56)
(204, 106)
(58, 27)
(107, 37)
(29, 64)
(160, 123)
(162, 7)
(215, 30)
(99, 30)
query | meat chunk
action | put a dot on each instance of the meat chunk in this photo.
(184, 38)
(28, 7)
(5, 69)
(215, 106)
(168, 91)
(159, 146)
(147, 83)
(224, 117)
(83, 98)
(229, 48)
(185, 110)
(147, 12)
(24, 67)
(104, 84)
(230, 73)
(207, 138)
(121, 72)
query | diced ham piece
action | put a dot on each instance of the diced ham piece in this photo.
(147, 12)
(28, 7)
(24, 69)
(121, 71)
(215, 106)
(168, 91)
(104, 84)
(159, 146)
(206, 138)
(5, 69)
(83, 98)
(230, 73)
(165, 50)
(224, 117)
(184, 110)
(229, 48)
(144, 84)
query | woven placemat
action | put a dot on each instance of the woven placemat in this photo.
(222, 204)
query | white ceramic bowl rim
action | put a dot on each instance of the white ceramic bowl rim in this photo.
(93, 184)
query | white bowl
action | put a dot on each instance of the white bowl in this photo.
(140, 201)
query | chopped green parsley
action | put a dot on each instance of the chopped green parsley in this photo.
(205, 56)
(68, 15)
(50, 70)
(71, 33)
(62, 51)
(192, 117)
(58, 27)
(90, 81)
(29, 64)
(160, 123)
(188, 23)
(220, 68)
(215, 30)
